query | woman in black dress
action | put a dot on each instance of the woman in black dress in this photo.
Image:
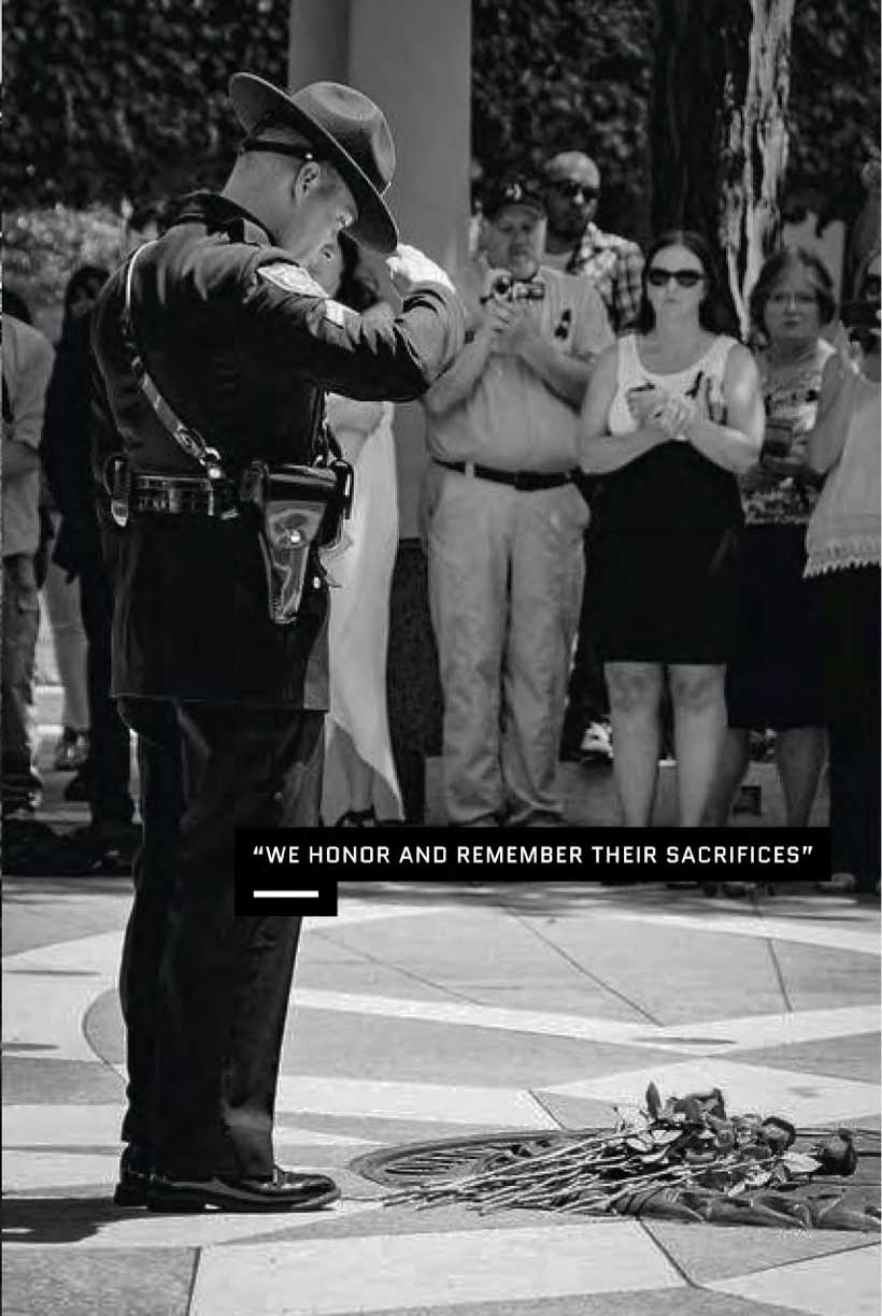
(673, 413)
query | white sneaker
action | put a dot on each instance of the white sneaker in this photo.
(597, 741)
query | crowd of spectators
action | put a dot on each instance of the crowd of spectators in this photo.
(641, 532)
(708, 621)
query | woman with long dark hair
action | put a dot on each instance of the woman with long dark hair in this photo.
(673, 413)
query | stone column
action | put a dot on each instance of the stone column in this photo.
(413, 57)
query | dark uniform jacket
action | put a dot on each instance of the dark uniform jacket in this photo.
(241, 345)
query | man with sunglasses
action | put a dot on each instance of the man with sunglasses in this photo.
(614, 265)
(576, 245)
(214, 346)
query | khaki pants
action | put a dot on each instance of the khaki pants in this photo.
(505, 588)
(21, 622)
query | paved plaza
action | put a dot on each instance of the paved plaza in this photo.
(436, 1011)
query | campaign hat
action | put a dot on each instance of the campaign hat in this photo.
(346, 129)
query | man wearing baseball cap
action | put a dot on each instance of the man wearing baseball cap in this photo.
(214, 347)
(505, 523)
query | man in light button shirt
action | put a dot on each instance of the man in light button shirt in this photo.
(27, 365)
(505, 522)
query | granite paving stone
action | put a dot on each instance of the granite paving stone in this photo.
(579, 1112)
(488, 959)
(676, 1302)
(32, 1079)
(319, 1277)
(818, 977)
(27, 902)
(844, 1057)
(838, 1284)
(709, 1254)
(395, 1219)
(396, 1132)
(143, 1283)
(421, 1065)
(429, 1052)
(676, 975)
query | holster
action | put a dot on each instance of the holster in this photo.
(298, 509)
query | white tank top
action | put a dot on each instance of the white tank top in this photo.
(706, 373)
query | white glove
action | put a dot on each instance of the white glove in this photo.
(408, 267)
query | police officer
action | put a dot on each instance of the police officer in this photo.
(213, 349)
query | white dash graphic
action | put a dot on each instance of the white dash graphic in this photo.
(286, 895)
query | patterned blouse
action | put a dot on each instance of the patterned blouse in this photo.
(791, 396)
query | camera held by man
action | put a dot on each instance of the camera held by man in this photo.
(508, 289)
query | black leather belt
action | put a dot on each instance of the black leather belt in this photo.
(176, 495)
(526, 481)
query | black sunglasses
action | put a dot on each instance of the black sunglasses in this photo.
(567, 187)
(659, 277)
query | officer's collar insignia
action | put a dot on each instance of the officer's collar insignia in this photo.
(292, 278)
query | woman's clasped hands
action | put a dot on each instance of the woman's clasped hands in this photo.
(654, 406)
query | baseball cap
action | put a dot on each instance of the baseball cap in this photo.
(513, 191)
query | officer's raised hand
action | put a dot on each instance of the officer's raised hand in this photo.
(410, 268)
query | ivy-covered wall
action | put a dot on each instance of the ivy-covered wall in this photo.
(106, 101)
(127, 98)
(568, 75)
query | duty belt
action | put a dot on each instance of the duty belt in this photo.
(525, 481)
(174, 495)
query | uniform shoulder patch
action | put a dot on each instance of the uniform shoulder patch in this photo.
(292, 278)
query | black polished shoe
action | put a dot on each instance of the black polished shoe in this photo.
(135, 1166)
(286, 1191)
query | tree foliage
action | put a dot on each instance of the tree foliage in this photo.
(635, 80)
(127, 99)
(42, 247)
(564, 74)
(834, 103)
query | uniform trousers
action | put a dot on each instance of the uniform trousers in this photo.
(204, 993)
(505, 586)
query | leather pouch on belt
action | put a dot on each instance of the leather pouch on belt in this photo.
(299, 507)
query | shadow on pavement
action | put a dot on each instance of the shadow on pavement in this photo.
(43, 1220)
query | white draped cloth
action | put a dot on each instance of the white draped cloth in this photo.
(359, 613)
